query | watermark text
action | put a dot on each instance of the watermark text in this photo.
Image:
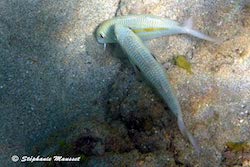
(39, 158)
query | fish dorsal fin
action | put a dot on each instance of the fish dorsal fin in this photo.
(188, 23)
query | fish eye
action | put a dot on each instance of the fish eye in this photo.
(101, 35)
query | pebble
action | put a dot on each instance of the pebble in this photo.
(243, 106)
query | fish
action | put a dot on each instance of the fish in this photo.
(147, 27)
(142, 60)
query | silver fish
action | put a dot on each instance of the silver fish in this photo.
(141, 58)
(147, 27)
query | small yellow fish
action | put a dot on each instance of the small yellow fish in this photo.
(182, 62)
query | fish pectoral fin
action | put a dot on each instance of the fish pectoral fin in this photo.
(137, 72)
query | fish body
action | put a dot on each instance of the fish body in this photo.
(142, 59)
(147, 27)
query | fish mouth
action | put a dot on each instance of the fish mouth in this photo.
(104, 44)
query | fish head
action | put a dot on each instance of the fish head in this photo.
(105, 33)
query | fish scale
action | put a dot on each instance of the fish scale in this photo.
(140, 56)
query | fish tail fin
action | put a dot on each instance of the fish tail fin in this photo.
(188, 135)
(188, 29)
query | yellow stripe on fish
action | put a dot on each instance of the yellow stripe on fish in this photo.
(148, 30)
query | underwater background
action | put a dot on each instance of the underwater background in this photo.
(62, 94)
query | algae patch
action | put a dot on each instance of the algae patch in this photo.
(238, 146)
(182, 62)
(236, 154)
